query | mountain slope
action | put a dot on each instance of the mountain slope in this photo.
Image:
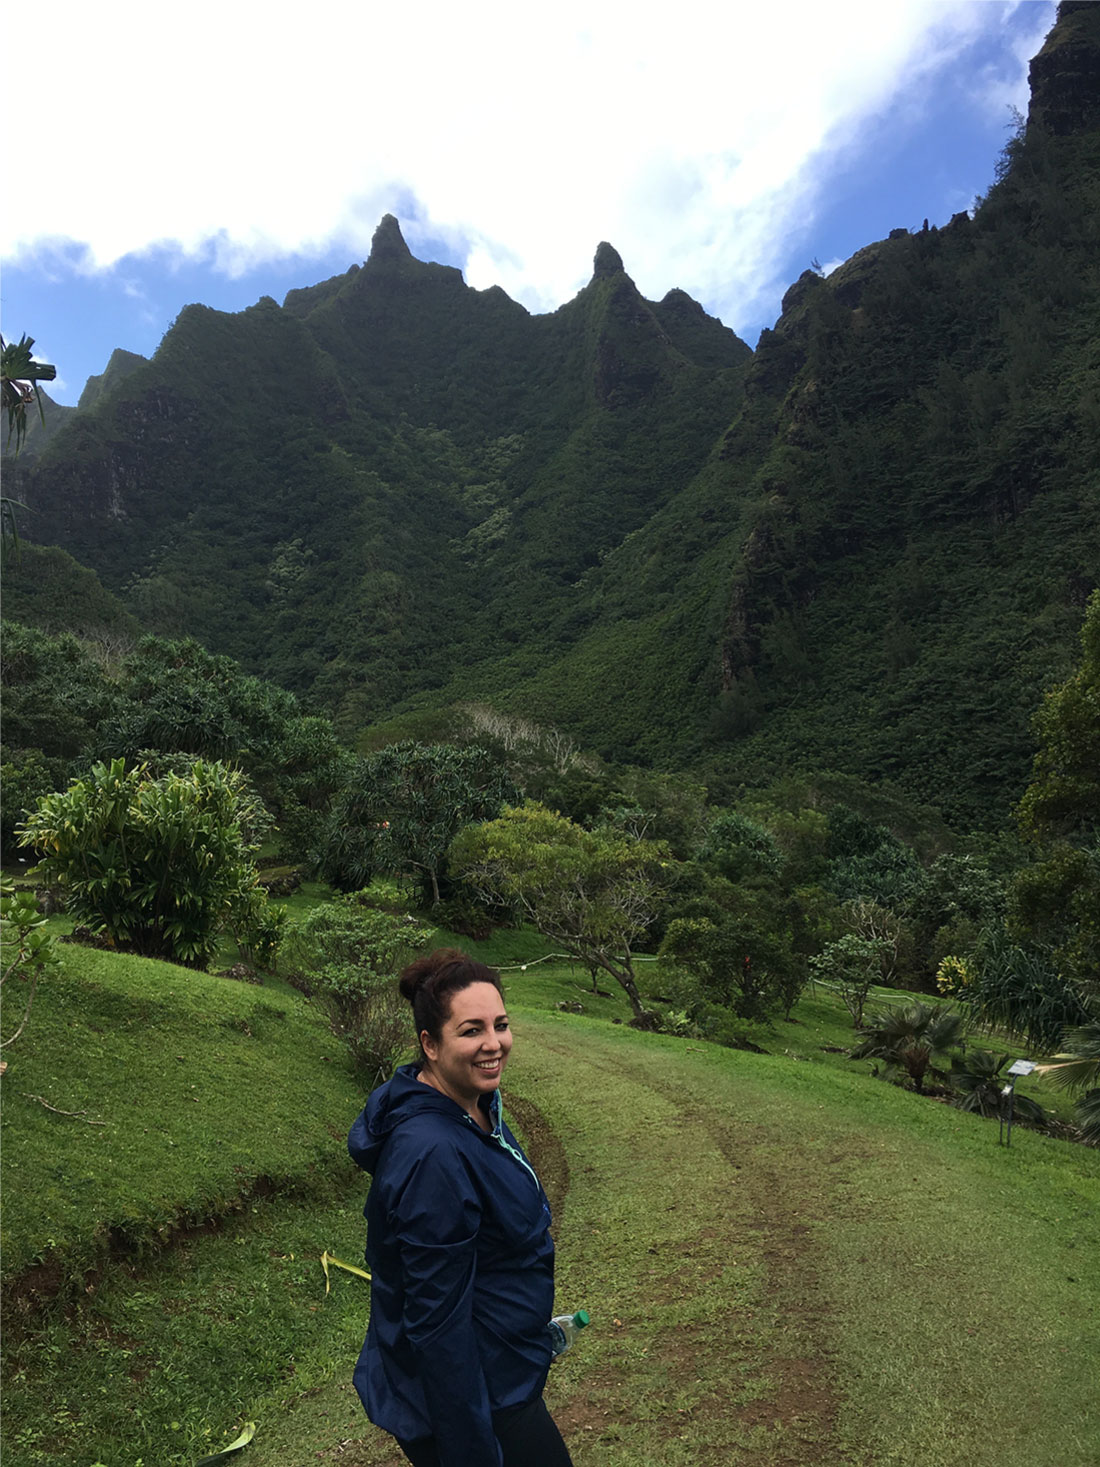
(867, 546)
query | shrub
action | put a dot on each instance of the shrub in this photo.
(351, 955)
(854, 965)
(954, 976)
(26, 948)
(160, 866)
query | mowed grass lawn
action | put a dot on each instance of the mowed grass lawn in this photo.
(786, 1263)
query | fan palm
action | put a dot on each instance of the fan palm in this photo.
(1078, 1068)
(977, 1076)
(909, 1038)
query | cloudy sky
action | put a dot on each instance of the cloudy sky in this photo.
(218, 152)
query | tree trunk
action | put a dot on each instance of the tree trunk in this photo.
(625, 979)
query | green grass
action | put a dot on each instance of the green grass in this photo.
(787, 1263)
(182, 1090)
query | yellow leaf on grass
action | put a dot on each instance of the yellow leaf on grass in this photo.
(327, 1258)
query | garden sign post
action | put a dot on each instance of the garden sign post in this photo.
(1021, 1067)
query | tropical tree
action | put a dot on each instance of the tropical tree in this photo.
(20, 375)
(852, 964)
(738, 848)
(55, 693)
(909, 1038)
(404, 806)
(1017, 987)
(594, 893)
(1056, 899)
(739, 956)
(174, 696)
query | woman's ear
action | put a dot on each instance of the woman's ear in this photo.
(428, 1045)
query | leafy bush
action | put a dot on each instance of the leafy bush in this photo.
(257, 926)
(691, 1015)
(160, 865)
(26, 948)
(351, 955)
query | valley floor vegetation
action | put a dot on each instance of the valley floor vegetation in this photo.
(780, 1252)
(765, 1047)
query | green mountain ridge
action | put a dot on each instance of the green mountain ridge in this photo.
(865, 546)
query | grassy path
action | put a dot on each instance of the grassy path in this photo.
(785, 1265)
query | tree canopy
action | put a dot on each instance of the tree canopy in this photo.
(592, 892)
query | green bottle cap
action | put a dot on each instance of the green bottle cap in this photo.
(580, 1319)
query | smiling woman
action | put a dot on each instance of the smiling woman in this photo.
(467, 1058)
(458, 1243)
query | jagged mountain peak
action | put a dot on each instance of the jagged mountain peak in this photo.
(608, 261)
(388, 242)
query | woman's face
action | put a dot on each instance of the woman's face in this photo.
(469, 1057)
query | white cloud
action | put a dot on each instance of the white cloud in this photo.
(687, 137)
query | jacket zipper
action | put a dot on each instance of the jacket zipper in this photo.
(497, 1135)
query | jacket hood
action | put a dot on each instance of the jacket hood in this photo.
(398, 1100)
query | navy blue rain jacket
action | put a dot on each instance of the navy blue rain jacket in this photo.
(462, 1271)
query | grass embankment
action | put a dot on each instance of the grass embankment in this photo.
(180, 1100)
(786, 1261)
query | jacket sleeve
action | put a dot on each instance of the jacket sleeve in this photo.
(436, 1217)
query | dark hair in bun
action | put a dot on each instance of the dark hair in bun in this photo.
(429, 982)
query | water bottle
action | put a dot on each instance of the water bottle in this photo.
(564, 1329)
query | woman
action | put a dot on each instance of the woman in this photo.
(461, 1259)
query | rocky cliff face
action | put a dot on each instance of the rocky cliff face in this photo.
(1065, 75)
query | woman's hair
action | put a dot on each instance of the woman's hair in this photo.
(429, 983)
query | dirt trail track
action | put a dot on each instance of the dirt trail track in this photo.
(737, 1226)
(721, 1216)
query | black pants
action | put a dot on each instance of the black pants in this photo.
(527, 1436)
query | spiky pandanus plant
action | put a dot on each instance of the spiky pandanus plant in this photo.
(20, 375)
(1078, 1068)
(909, 1038)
